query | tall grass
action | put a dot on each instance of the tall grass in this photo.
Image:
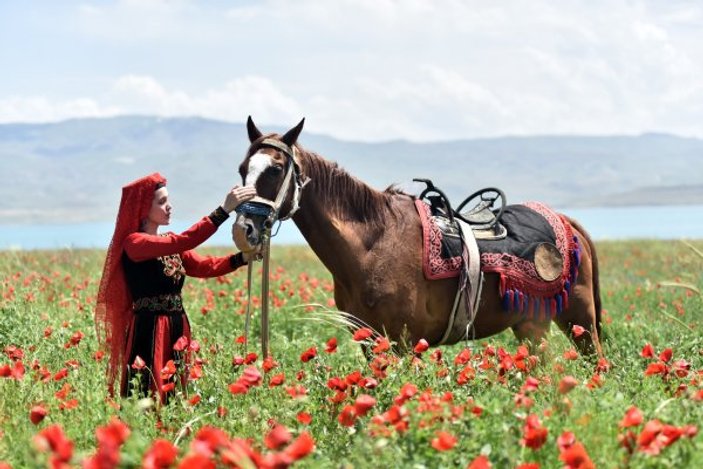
(651, 295)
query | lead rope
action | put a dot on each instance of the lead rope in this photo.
(265, 298)
(250, 268)
(266, 251)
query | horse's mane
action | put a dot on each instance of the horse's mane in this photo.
(346, 196)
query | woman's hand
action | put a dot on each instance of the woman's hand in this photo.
(236, 196)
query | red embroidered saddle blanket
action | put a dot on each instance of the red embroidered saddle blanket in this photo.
(537, 261)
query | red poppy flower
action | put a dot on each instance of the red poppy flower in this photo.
(647, 351)
(268, 364)
(632, 418)
(277, 437)
(463, 357)
(304, 418)
(250, 358)
(531, 384)
(237, 360)
(168, 387)
(571, 354)
(421, 346)
(382, 345)
(37, 414)
(368, 383)
(162, 454)
(565, 441)
(577, 330)
(251, 376)
(362, 334)
(196, 461)
(113, 435)
(138, 364)
(194, 400)
(534, 434)
(347, 416)
(301, 447)
(331, 345)
(308, 355)
(168, 370)
(363, 404)
(61, 374)
(576, 457)
(53, 439)
(195, 372)
(277, 380)
(480, 462)
(567, 383)
(657, 368)
(407, 391)
(666, 355)
(181, 344)
(443, 441)
(238, 388)
(208, 440)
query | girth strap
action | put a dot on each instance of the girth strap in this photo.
(469, 287)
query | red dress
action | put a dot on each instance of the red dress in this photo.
(155, 267)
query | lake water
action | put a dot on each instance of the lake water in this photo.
(663, 222)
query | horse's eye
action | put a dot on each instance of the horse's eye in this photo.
(276, 169)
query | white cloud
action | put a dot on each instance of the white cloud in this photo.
(238, 98)
(43, 109)
(375, 69)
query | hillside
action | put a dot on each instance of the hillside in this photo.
(73, 170)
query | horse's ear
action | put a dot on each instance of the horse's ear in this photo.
(254, 133)
(292, 135)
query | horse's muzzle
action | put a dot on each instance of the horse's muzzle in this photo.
(245, 234)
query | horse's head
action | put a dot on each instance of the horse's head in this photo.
(271, 165)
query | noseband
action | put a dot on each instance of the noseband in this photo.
(271, 208)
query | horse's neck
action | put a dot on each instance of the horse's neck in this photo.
(329, 227)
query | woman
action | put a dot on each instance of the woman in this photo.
(139, 310)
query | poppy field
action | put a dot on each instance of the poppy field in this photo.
(318, 401)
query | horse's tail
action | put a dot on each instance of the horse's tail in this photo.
(594, 268)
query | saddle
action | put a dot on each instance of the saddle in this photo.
(531, 247)
(483, 218)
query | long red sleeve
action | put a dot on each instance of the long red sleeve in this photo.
(141, 246)
(206, 266)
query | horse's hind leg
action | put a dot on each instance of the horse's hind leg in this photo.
(531, 331)
(582, 312)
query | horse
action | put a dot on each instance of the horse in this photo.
(371, 243)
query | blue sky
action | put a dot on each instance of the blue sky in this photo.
(362, 69)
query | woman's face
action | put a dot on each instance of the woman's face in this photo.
(160, 212)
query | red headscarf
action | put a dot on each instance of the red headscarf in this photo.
(113, 311)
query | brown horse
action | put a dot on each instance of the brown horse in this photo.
(371, 242)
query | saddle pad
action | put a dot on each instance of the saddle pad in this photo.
(441, 254)
(537, 261)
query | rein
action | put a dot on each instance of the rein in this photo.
(270, 209)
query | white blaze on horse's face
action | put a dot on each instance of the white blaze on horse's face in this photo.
(258, 163)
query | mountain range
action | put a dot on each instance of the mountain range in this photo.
(72, 171)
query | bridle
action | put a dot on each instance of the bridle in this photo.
(271, 209)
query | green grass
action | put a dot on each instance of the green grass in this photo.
(56, 290)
